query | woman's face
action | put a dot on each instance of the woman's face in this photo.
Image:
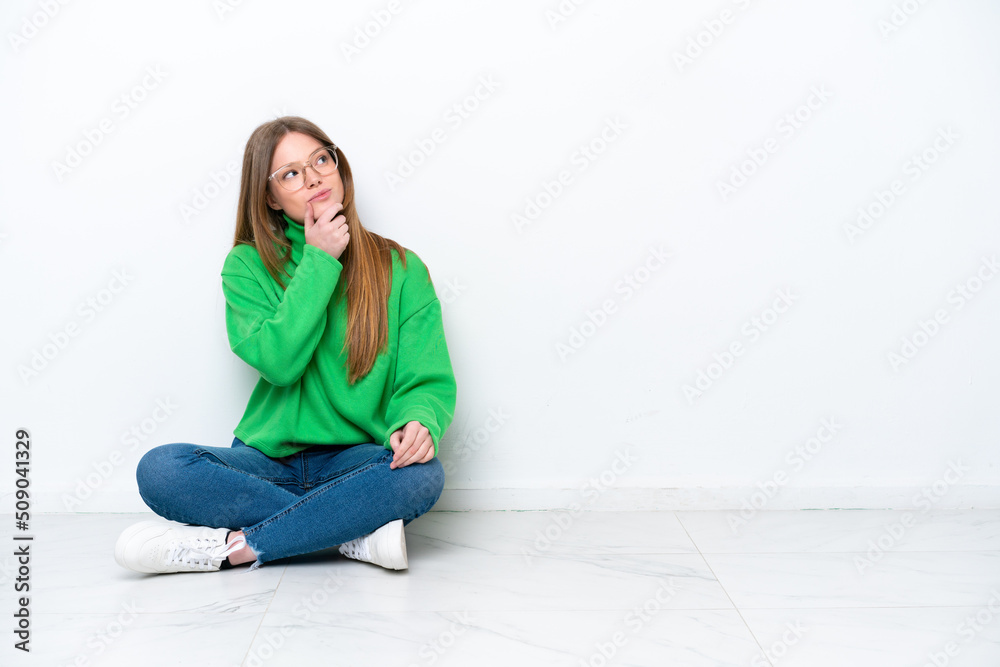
(327, 190)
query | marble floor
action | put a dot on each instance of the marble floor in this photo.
(810, 588)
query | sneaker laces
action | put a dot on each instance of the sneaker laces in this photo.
(356, 548)
(200, 552)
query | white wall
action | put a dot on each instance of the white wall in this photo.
(513, 295)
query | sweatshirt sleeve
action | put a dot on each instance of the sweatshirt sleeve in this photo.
(279, 339)
(424, 388)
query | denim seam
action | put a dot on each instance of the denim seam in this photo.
(322, 489)
(216, 462)
(335, 475)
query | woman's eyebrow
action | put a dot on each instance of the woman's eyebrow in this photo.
(297, 161)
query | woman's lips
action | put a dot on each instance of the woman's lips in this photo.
(321, 196)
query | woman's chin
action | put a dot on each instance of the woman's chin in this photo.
(321, 207)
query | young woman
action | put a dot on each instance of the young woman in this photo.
(338, 442)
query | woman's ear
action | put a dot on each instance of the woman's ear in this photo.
(270, 201)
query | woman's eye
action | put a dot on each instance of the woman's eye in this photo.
(289, 174)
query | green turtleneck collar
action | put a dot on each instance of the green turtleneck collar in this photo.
(296, 234)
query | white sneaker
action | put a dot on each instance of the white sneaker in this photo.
(159, 547)
(385, 546)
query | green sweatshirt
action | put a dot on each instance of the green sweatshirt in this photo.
(293, 337)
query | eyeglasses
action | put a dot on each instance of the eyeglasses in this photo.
(292, 176)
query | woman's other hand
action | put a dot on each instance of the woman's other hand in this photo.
(411, 444)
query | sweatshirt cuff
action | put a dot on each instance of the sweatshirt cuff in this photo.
(312, 250)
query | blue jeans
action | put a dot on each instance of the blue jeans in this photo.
(321, 497)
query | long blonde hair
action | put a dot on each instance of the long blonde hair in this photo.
(367, 259)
